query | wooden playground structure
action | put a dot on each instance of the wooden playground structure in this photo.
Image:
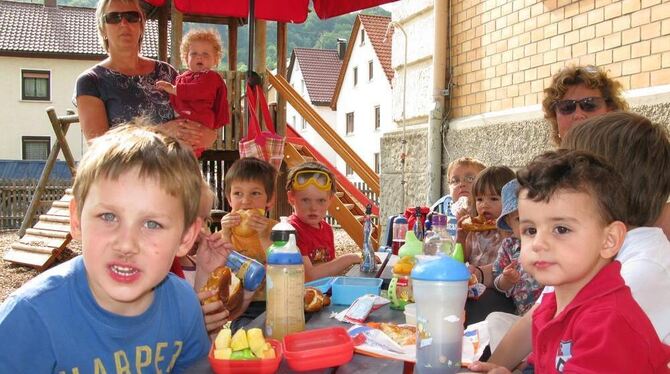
(42, 242)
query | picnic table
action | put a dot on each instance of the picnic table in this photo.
(359, 364)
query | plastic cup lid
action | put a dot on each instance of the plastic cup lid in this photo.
(443, 269)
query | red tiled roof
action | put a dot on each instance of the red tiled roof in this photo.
(320, 70)
(375, 27)
(27, 28)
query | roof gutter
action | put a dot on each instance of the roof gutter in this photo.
(437, 114)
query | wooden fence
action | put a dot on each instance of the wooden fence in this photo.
(368, 193)
(15, 196)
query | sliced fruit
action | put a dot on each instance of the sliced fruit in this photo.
(256, 340)
(223, 339)
(268, 352)
(223, 353)
(244, 354)
(239, 341)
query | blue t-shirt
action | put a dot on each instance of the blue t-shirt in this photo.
(53, 325)
(125, 96)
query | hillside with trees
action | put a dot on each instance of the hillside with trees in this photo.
(313, 33)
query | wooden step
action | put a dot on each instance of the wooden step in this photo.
(309, 158)
(350, 206)
(299, 147)
(53, 218)
(61, 204)
(339, 194)
(68, 191)
(32, 248)
(53, 226)
(42, 241)
(47, 233)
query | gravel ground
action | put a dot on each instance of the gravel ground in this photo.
(13, 276)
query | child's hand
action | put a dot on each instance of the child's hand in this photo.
(487, 367)
(167, 87)
(509, 277)
(258, 223)
(213, 252)
(230, 220)
(461, 234)
(215, 315)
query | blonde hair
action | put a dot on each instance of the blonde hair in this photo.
(210, 36)
(590, 76)
(465, 161)
(100, 9)
(157, 156)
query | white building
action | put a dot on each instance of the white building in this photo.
(363, 96)
(43, 49)
(313, 74)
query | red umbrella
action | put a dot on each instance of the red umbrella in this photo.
(294, 11)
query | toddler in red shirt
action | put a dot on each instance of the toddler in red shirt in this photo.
(571, 208)
(310, 188)
(200, 94)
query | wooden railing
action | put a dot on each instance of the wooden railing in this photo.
(342, 149)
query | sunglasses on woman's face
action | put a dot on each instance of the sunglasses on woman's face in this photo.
(116, 17)
(587, 104)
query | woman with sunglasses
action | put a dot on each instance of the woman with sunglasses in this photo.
(577, 93)
(122, 86)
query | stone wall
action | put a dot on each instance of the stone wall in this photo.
(511, 143)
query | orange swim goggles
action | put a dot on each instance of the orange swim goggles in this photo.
(317, 178)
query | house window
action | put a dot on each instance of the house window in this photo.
(295, 122)
(349, 171)
(350, 123)
(362, 37)
(36, 85)
(370, 72)
(377, 117)
(377, 163)
(355, 76)
(302, 87)
(303, 123)
(35, 147)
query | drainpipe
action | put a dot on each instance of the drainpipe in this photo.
(440, 51)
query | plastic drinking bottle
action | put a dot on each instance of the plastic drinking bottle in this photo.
(440, 288)
(368, 264)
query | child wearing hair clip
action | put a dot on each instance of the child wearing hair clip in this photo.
(508, 275)
(310, 188)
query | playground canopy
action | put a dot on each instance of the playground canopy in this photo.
(292, 11)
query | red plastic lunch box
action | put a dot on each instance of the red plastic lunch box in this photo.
(256, 366)
(318, 349)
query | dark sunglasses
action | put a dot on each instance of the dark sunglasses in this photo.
(116, 17)
(587, 104)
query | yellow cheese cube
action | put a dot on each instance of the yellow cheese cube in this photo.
(222, 339)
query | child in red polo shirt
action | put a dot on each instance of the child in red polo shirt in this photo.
(310, 188)
(571, 208)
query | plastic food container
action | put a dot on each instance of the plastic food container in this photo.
(410, 314)
(348, 289)
(318, 349)
(254, 366)
(322, 284)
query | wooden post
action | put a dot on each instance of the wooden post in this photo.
(232, 45)
(259, 47)
(177, 32)
(162, 33)
(281, 70)
(46, 172)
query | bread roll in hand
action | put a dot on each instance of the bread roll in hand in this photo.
(228, 287)
(244, 229)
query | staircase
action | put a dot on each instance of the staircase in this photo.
(348, 206)
(43, 243)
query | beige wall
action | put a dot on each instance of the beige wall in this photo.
(505, 52)
(28, 118)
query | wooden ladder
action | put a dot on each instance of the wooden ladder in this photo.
(348, 208)
(39, 246)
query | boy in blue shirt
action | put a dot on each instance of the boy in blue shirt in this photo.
(116, 308)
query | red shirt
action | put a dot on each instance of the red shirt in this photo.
(203, 98)
(317, 244)
(603, 330)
